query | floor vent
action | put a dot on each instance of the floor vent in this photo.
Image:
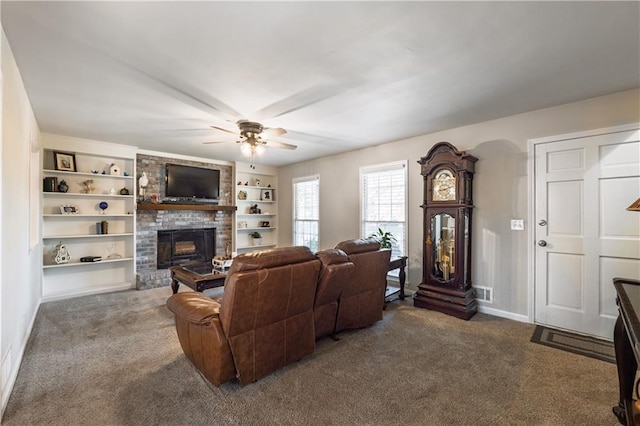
(484, 293)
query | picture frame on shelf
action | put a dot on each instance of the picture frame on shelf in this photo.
(69, 209)
(265, 224)
(64, 161)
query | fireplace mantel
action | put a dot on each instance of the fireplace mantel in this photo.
(160, 206)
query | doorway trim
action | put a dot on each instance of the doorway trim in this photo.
(531, 179)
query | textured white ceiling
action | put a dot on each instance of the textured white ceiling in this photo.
(337, 75)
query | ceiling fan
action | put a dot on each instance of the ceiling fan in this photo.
(251, 133)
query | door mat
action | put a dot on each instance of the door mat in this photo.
(575, 343)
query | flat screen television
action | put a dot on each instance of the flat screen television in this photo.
(193, 183)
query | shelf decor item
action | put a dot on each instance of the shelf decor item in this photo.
(69, 209)
(242, 195)
(64, 161)
(257, 238)
(61, 254)
(124, 191)
(62, 186)
(114, 170)
(103, 206)
(50, 184)
(88, 186)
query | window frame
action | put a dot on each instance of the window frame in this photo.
(294, 220)
(377, 168)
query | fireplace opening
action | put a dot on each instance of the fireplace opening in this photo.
(178, 247)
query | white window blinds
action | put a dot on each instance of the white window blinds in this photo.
(306, 211)
(383, 202)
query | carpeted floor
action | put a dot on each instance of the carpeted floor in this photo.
(575, 343)
(114, 359)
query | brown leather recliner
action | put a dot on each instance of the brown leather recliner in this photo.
(334, 276)
(263, 321)
(362, 299)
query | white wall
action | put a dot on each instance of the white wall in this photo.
(500, 189)
(21, 278)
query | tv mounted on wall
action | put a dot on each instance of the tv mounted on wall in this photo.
(188, 183)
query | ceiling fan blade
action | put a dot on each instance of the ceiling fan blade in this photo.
(274, 144)
(302, 99)
(224, 130)
(274, 131)
(215, 142)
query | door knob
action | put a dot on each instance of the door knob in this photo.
(542, 222)
(542, 243)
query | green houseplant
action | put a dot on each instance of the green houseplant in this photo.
(386, 238)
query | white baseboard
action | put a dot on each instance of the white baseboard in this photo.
(503, 314)
(99, 290)
(17, 361)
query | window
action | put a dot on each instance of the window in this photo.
(306, 211)
(383, 191)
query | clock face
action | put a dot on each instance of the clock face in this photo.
(444, 186)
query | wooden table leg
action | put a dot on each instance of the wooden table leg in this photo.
(402, 276)
(174, 285)
(627, 365)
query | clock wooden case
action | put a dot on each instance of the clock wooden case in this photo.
(447, 207)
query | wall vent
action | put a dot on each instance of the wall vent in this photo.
(484, 294)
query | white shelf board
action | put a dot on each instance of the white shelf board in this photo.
(78, 263)
(258, 228)
(255, 247)
(98, 175)
(254, 187)
(66, 216)
(59, 237)
(254, 214)
(255, 201)
(83, 195)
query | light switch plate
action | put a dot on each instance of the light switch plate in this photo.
(517, 225)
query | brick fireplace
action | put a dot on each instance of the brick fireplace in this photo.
(149, 222)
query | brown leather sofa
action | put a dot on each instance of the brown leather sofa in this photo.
(362, 300)
(263, 321)
(276, 303)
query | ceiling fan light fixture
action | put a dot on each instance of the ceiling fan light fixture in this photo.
(259, 149)
(246, 149)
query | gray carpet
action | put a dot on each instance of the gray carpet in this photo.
(114, 359)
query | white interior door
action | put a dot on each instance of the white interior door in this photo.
(584, 234)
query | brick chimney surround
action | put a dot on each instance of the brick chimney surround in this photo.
(149, 222)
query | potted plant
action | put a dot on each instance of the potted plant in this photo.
(386, 238)
(257, 238)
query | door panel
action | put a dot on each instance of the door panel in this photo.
(584, 235)
(565, 281)
(565, 218)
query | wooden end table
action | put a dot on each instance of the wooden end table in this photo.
(196, 277)
(397, 263)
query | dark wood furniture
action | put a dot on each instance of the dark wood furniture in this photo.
(397, 263)
(626, 340)
(447, 207)
(196, 277)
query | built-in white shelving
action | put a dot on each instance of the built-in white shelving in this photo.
(256, 199)
(79, 231)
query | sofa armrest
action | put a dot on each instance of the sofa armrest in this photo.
(193, 307)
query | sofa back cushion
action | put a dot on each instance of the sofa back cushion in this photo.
(267, 309)
(335, 274)
(362, 300)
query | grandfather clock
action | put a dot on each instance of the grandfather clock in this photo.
(446, 251)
